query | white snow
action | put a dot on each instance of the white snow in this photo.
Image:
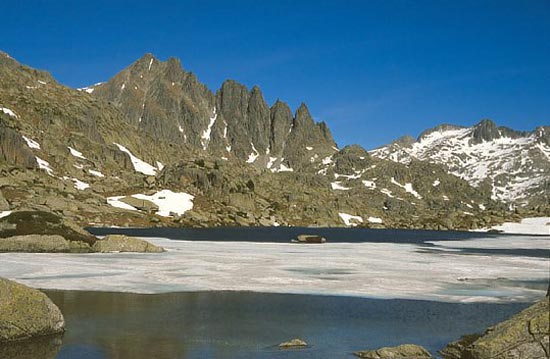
(407, 187)
(150, 63)
(4, 214)
(169, 202)
(79, 166)
(253, 155)
(387, 192)
(338, 186)
(160, 166)
(96, 173)
(205, 138)
(380, 270)
(8, 112)
(327, 160)
(31, 143)
(42, 82)
(123, 86)
(350, 220)
(283, 168)
(309, 148)
(374, 220)
(369, 184)
(534, 225)
(180, 128)
(76, 153)
(139, 165)
(436, 183)
(115, 202)
(44, 165)
(79, 185)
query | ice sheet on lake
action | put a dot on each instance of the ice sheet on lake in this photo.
(381, 270)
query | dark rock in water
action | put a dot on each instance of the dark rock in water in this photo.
(404, 351)
(525, 335)
(42, 223)
(121, 243)
(310, 238)
(27, 313)
(294, 343)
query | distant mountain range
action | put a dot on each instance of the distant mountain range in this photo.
(154, 128)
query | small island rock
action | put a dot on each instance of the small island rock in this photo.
(404, 351)
(27, 313)
(294, 343)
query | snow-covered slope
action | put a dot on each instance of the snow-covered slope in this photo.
(515, 164)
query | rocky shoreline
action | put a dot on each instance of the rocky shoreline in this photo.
(44, 232)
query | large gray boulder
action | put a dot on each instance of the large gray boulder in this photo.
(525, 335)
(404, 351)
(121, 243)
(27, 313)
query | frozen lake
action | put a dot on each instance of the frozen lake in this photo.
(440, 266)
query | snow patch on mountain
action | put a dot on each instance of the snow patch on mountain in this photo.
(139, 165)
(350, 220)
(169, 203)
(31, 143)
(205, 138)
(44, 165)
(8, 112)
(76, 153)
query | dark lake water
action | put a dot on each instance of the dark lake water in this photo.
(249, 325)
(333, 235)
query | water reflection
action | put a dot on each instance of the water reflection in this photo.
(43, 348)
(206, 325)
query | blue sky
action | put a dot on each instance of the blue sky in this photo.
(373, 70)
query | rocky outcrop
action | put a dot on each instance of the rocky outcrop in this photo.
(35, 243)
(404, 351)
(26, 313)
(24, 223)
(525, 335)
(121, 243)
(293, 344)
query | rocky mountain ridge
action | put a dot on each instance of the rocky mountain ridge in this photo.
(153, 145)
(513, 165)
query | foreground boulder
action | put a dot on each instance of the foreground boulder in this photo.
(408, 351)
(26, 313)
(121, 243)
(294, 343)
(525, 335)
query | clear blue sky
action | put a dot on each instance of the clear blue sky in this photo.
(374, 70)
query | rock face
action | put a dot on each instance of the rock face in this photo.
(121, 243)
(26, 313)
(294, 343)
(404, 351)
(525, 335)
